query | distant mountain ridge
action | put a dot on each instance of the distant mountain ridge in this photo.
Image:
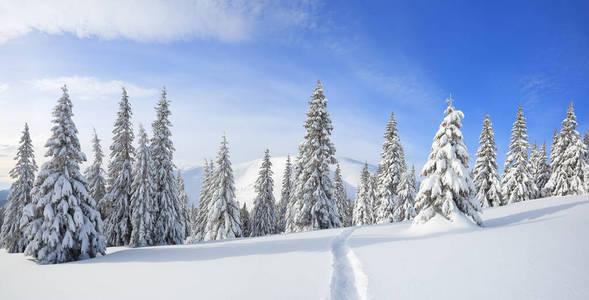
(246, 174)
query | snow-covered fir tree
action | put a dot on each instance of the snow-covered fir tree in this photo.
(193, 213)
(568, 164)
(517, 183)
(264, 213)
(223, 213)
(554, 142)
(285, 193)
(405, 205)
(95, 176)
(62, 223)
(391, 169)
(11, 236)
(143, 205)
(169, 224)
(184, 202)
(344, 206)
(117, 224)
(246, 221)
(363, 212)
(543, 171)
(374, 195)
(539, 167)
(484, 174)
(586, 138)
(200, 221)
(447, 189)
(294, 202)
(316, 203)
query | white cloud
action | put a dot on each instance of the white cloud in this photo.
(148, 20)
(3, 87)
(91, 88)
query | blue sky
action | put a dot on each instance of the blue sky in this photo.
(247, 69)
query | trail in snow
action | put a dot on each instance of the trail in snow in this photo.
(348, 281)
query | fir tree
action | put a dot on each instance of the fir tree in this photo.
(264, 213)
(543, 171)
(405, 207)
(517, 184)
(143, 205)
(316, 207)
(203, 203)
(11, 236)
(447, 189)
(539, 167)
(223, 213)
(294, 203)
(485, 175)
(363, 212)
(95, 176)
(554, 142)
(284, 196)
(170, 221)
(391, 170)
(246, 223)
(192, 221)
(569, 163)
(184, 202)
(62, 223)
(118, 197)
(341, 199)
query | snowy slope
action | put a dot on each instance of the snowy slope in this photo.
(247, 173)
(531, 250)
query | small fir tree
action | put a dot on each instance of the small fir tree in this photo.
(143, 205)
(517, 183)
(184, 202)
(363, 212)
(285, 194)
(11, 236)
(405, 207)
(246, 222)
(569, 165)
(485, 175)
(95, 175)
(341, 199)
(223, 216)
(264, 213)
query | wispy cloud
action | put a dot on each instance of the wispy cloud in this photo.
(91, 88)
(148, 20)
(536, 86)
(3, 87)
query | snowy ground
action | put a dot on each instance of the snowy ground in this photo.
(532, 250)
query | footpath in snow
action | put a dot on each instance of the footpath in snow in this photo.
(531, 250)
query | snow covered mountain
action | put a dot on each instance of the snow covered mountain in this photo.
(247, 173)
(529, 250)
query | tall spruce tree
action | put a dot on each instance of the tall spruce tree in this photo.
(405, 208)
(170, 221)
(246, 222)
(569, 165)
(264, 213)
(143, 205)
(184, 202)
(317, 208)
(517, 183)
(363, 211)
(117, 225)
(62, 223)
(341, 199)
(11, 236)
(95, 176)
(391, 169)
(285, 193)
(223, 213)
(485, 175)
(447, 189)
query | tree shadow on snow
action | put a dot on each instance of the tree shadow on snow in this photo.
(531, 216)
